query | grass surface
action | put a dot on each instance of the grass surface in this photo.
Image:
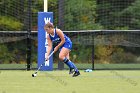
(80, 65)
(104, 81)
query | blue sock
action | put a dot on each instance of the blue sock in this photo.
(68, 63)
(74, 67)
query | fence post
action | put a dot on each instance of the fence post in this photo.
(29, 36)
(61, 26)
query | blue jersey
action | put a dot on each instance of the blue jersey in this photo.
(56, 39)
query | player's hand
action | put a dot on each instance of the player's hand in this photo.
(56, 48)
(46, 58)
(47, 61)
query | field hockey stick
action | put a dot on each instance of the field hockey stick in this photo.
(35, 74)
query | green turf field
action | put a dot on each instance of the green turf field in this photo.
(103, 81)
(80, 66)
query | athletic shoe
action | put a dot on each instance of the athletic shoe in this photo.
(71, 70)
(76, 74)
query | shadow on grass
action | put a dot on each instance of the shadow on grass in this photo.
(57, 79)
(121, 76)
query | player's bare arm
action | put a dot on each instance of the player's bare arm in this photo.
(49, 45)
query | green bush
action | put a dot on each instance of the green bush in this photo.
(10, 23)
(121, 56)
(5, 56)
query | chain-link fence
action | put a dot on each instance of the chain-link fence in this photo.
(116, 47)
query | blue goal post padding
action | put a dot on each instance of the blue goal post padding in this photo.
(43, 18)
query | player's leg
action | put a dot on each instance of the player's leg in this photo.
(74, 66)
(64, 56)
(71, 69)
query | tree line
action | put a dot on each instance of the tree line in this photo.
(77, 15)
